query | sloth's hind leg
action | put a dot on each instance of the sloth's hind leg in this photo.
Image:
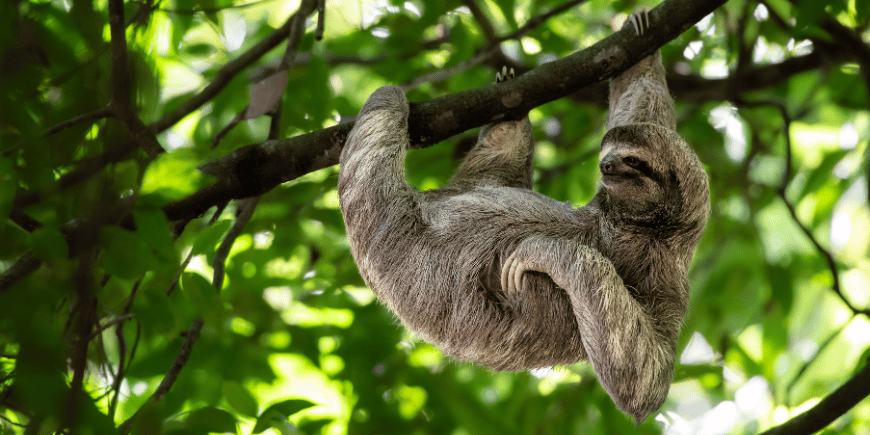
(503, 153)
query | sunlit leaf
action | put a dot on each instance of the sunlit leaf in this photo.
(275, 415)
(173, 175)
(240, 398)
(208, 240)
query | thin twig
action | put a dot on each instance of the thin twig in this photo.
(84, 316)
(297, 29)
(785, 180)
(190, 338)
(483, 21)
(492, 49)
(217, 213)
(813, 358)
(122, 353)
(321, 19)
(537, 21)
(211, 10)
(223, 77)
(445, 73)
(111, 323)
(244, 213)
(85, 169)
(180, 361)
(81, 119)
(23, 220)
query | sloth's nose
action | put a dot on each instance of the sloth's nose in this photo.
(609, 164)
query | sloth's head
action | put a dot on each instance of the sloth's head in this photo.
(651, 179)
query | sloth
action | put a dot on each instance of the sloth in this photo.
(494, 273)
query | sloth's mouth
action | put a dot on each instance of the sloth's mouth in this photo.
(610, 179)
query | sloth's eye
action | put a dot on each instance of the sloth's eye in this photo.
(632, 161)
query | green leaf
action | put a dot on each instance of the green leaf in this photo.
(240, 398)
(208, 239)
(202, 296)
(153, 227)
(15, 239)
(693, 371)
(507, 8)
(210, 419)
(313, 426)
(782, 286)
(862, 9)
(173, 175)
(277, 414)
(809, 11)
(7, 187)
(126, 255)
(49, 243)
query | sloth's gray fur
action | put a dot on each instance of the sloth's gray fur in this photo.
(614, 286)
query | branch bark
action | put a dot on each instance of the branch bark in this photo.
(830, 408)
(255, 169)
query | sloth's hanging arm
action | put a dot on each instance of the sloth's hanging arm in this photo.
(632, 355)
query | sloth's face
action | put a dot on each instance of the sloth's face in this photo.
(635, 185)
(650, 177)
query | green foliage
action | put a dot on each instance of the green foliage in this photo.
(293, 342)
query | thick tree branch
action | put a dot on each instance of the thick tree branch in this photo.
(254, 169)
(830, 408)
(692, 89)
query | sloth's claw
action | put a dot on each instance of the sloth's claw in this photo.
(639, 19)
(504, 75)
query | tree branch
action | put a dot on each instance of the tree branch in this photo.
(861, 50)
(254, 169)
(121, 105)
(190, 338)
(81, 119)
(830, 408)
(223, 77)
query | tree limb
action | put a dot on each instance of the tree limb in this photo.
(254, 169)
(830, 408)
(120, 78)
(223, 77)
(181, 358)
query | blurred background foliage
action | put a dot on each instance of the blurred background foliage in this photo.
(294, 342)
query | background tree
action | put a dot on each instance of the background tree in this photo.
(138, 294)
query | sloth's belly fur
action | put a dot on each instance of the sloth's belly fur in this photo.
(448, 290)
